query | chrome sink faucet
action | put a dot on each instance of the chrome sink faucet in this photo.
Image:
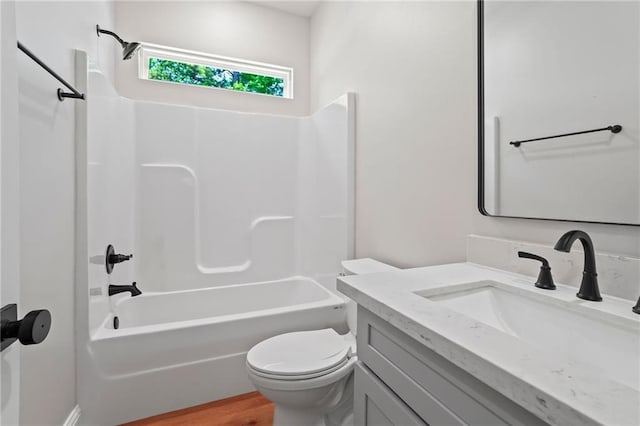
(589, 287)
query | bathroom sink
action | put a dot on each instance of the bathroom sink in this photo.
(566, 330)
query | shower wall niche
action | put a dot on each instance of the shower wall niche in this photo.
(206, 197)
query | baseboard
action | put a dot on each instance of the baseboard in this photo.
(73, 417)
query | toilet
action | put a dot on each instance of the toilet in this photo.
(308, 375)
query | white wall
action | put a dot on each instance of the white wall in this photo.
(416, 141)
(51, 30)
(228, 28)
(412, 67)
(10, 213)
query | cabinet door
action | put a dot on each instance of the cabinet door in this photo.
(376, 405)
(435, 389)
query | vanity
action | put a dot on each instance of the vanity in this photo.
(469, 344)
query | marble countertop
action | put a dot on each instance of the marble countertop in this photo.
(559, 391)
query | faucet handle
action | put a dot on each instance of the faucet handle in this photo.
(545, 280)
(112, 258)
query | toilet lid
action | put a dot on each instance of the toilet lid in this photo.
(300, 353)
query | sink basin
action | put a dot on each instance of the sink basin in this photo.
(564, 330)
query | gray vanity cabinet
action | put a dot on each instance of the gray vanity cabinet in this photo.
(378, 404)
(399, 381)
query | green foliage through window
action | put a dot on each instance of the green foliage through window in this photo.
(201, 75)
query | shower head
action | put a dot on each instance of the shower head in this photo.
(128, 48)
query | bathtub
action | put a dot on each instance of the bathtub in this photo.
(178, 349)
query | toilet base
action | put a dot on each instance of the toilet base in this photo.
(340, 415)
(283, 416)
(287, 417)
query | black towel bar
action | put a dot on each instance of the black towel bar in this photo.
(61, 94)
(616, 128)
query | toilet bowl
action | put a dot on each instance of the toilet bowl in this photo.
(308, 375)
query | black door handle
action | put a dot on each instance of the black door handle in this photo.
(30, 330)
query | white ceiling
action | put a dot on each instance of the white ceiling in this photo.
(296, 7)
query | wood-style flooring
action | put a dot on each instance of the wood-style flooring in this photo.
(250, 409)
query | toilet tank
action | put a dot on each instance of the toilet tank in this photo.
(360, 267)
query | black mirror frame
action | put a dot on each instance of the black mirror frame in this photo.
(481, 208)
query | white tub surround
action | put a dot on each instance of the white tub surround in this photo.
(553, 383)
(206, 198)
(225, 197)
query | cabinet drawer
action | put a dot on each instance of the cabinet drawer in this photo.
(376, 405)
(437, 390)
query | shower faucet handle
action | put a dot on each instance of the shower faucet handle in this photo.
(545, 280)
(113, 258)
(119, 258)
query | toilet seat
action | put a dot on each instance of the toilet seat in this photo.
(301, 355)
(299, 384)
(297, 377)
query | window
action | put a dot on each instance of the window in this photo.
(172, 65)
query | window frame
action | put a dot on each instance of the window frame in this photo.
(148, 51)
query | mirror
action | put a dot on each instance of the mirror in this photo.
(559, 90)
